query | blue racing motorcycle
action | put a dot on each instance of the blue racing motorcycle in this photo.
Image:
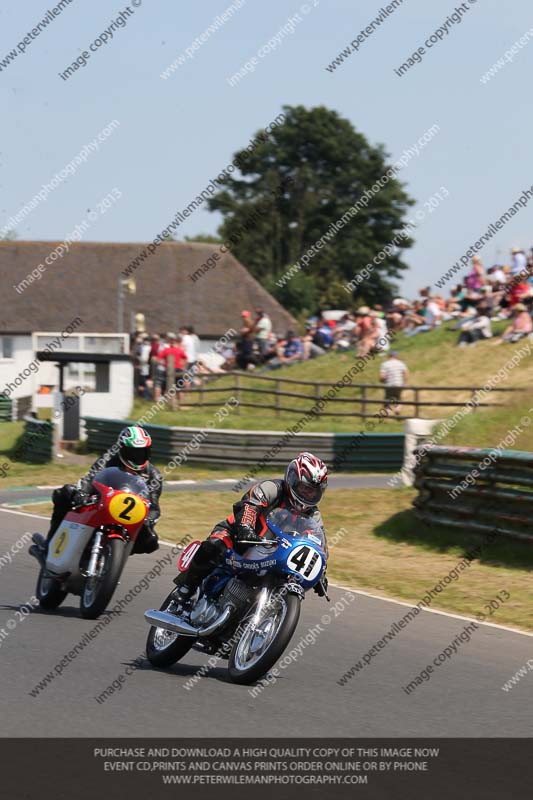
(246, 610)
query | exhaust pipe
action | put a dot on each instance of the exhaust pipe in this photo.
(162, 619)
(218, 623)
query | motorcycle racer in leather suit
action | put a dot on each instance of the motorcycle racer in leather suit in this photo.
(301, 490)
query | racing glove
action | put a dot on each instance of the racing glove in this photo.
(79, 498)
(245, 533)
(321, 588)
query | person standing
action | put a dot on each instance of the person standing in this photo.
(394, 374)
(143, 351)
(263, 329)
(245, 357)
(191, 344)
(155, 345)
(519, 262)
(174, 350)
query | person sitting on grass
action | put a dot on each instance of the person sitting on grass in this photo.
(432, 316)
(289, 352)
(293, 350)
(325, 332)
(381, 343)
(367, 331)
(312, 343)
(472, 330)
(521, 325)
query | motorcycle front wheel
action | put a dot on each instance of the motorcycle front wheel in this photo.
(49, 592)
(98, 590)
(257, 649)
(164, 648)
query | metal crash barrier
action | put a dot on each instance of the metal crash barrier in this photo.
(347, 452)
(480, 490)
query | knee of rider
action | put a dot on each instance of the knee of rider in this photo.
(67, 492)
(220, 548)
(206, 552)
(57, 495)
(211, 551)
(62, 500)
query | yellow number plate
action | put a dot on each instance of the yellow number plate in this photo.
(127, 509)
(60, 544)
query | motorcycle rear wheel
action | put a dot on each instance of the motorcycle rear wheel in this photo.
(164, 648)
(254, 653)
(97, 592)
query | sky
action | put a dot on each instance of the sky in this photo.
(174, 135)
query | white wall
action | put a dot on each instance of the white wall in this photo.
(115, 404)
(47, 373)
(11, 368)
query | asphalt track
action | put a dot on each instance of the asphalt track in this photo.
(463, 697)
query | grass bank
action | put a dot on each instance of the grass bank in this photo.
(433, 359)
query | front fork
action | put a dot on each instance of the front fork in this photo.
(95, 552)
(269, 595)
(261, 605)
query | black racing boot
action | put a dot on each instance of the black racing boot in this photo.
(147, 542)
(188, 582)
(206, 559)
(39, 548)
(186, 586)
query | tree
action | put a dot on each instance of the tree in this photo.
(323, 166)
(204, 238)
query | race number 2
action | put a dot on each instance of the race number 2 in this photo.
(127, 509)
(129, 503)
(306, 561)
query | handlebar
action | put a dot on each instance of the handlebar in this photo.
(91, 501)
(262, 541)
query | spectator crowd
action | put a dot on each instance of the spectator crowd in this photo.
(501, 292)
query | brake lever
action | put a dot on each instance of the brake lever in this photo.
(91, 501)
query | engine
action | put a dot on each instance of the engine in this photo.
(204, 612)
(237, 593)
